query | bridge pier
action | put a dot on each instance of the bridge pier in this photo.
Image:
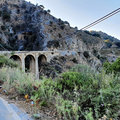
(36, 67)
(23, 63)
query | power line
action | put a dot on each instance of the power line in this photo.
(96, 22)
(99, 21)
(102, 19)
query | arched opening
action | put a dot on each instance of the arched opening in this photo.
(42, 59)
(30, 64)
(17, 59)
(41, 62)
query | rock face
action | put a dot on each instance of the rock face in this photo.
(28, 27)
(24, 26)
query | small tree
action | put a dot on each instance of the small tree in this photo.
(6, 16)
(112, 67)
(48, 11)
(42, 6)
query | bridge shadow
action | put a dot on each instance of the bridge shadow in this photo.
(17, 59)
(42, 59)
(30, 64)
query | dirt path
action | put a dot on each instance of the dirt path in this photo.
(44, 114)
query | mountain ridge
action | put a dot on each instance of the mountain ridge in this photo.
(28, 27)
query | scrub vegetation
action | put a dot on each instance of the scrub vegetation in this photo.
(5, 61)
(79, 94)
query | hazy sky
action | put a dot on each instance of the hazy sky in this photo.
(83, 12)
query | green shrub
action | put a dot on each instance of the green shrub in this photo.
(83, 69)
(7, 62)
(66, 109)
(81, 94)
(46, 90)
(43, 104)
(96, 95)
(112, 67)
(70, 80)
(14, 77)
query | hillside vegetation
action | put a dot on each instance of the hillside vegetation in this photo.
(79, 94)
(77, 87)
(28, 27)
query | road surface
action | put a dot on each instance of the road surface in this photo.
(11, 112)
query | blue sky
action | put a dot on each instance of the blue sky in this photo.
(83, 12)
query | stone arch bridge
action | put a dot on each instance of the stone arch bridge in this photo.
(30, 60)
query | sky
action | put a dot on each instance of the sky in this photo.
(80, 13)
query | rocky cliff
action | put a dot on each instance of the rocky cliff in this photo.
(28, 27)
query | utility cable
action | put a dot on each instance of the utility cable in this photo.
(102, 19)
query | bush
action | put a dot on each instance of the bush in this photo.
(80, 94)
(53, 43)
(112, 67)
(46, 90)
(117, 43)
(3, 27)
(15, 78)
(93, 95)
(6, 16)
(87, 32)
(70, 80)
(7, 62)
(83, 69)
(96, 35)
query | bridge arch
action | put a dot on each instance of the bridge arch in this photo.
(42, 59)
(30, 63)
(17, 59)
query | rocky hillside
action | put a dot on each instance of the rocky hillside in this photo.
(110, 41)
(27, 27)
(24, 26)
